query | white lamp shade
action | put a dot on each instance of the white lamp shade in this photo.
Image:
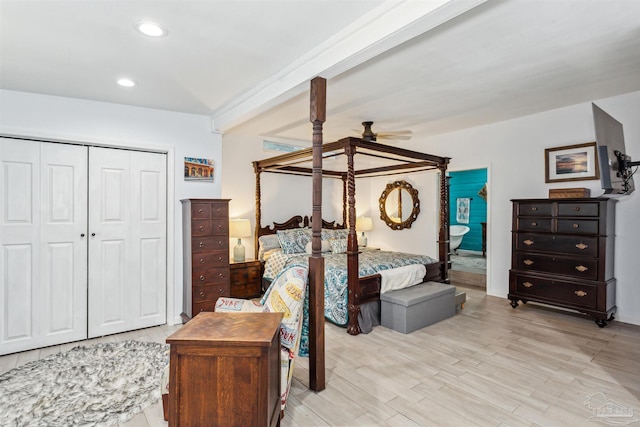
(364, 223)
(239, 228)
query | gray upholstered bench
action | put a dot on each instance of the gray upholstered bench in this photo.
(410, 309)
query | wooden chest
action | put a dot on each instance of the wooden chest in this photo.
(225, 371)
(562, 255)
(206, 254)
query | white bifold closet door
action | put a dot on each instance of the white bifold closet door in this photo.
(127, 240)
(82, 242)
(43, 226)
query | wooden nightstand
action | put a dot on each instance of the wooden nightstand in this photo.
(246, 279)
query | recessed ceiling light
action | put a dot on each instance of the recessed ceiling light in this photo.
(151, 29)
(126, 82)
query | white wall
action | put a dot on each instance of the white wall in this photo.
(283, 196)
(513, 153)
(180, 135)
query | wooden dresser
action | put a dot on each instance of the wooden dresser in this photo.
(206, 254)
(246, 279)
(225, 371)
(562, 255)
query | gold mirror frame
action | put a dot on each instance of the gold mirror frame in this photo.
(382, 202)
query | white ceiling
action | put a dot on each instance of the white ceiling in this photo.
(432, 66)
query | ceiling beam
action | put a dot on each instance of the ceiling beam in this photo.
(383, 28)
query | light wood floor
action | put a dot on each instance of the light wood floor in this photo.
(490, 365)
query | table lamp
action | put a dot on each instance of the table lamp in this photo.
(239, 228)
(363, 223)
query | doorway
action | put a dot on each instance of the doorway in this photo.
(468, 226)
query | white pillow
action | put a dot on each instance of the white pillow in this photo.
(267, 243)
(338, 246)
(326, 247)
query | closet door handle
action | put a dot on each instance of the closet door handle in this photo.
(82, 235)
(93, 234)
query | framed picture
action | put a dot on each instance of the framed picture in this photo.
(198, 169)
(571, 163)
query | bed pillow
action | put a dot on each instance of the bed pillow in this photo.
(328, 233)
(338, 246)
(294, 241)
(267, 243)
(326, 247)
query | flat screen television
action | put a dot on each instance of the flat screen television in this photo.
(616, 174)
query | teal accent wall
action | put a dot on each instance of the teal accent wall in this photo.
(467, 184)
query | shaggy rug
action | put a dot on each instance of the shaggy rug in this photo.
(98, 385)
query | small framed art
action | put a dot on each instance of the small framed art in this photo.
(198, 169)
(571, 163)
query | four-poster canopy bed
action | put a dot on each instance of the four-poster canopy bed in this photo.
(380, 160)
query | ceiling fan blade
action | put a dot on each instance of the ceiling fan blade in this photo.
(396, 132)
(393, 136)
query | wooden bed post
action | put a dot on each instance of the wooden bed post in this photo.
(316, 261)
(353, 278)
(344, 199)
(256, 169)
(443, 234)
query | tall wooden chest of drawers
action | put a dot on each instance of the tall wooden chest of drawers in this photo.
(206, 254)
(562, 255)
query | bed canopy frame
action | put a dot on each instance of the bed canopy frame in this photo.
(309, 162)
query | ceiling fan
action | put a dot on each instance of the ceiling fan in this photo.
(369, 135)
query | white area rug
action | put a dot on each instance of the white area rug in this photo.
(98, 385)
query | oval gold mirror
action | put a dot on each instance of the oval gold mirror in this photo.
(399, 205)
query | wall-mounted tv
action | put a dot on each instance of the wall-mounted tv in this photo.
(616, 175)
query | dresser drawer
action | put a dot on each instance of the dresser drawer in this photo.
(578, 209)
(203, 293)
(578, 226)
(199, 307)
(533, 224)
(220, 210)
(209, 244)
(569, 245)
(554, 291)
(534, 209)
(200, 210)
(210, 276)
(586, 268)
(207, 260)
(214, 227)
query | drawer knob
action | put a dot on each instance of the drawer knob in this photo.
(221, 275)
(220, 242)
(534, 224)
(221, 290)
(534, 208)
(202, 277)
(577, 209)
(202, 293)
(576, 226)
(527, 284)
(201, 260)
(528, 242)
(220, 226)
(201, 244)
(220, 259)
(580, 293)
(200, 211)
(581, 268)
(528, 262)
(581, 246)
(201, 227)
